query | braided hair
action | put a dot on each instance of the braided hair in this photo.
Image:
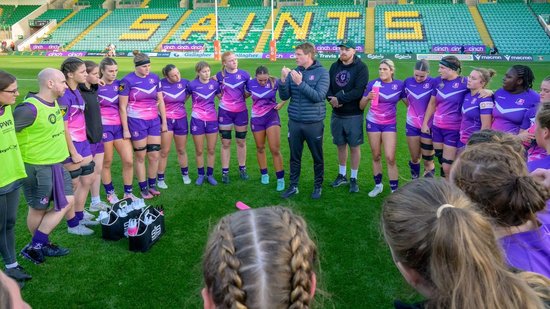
(260, 258)
(526, 74)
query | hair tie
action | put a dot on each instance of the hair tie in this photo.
(142, 62)
(440, 209)
(448, 64)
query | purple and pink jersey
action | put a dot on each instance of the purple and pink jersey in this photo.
(174, 98)
(233, 89)
(108, 103)
(449, 95)
(202, 96)
(418, 96)
(534, 151)
(510, 112)
(264, 98)
(72, 104)
(472, 108)
(142, 95)
(385, 111)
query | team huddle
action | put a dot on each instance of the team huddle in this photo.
(59, 144)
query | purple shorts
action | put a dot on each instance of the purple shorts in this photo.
(238, 119)
(140, 129)
(445, 136)
(83, 149)
(112, 132)
(178, 126)
(97, 148)
(414, 131)
(263, 122)
(199, 127)
(374, 127)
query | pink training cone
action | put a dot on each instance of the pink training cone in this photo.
(241, 206)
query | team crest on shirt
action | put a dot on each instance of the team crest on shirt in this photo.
(394, 87)
(238, 76)
(63, 110)
(455, 85)
(312, 77)
(115, 88)
(121, 87)
(210, 87)
(135, 133)
(151, 81)
(520, 101)
(426, 86)
(52, 119)
(104, 135)
(180, 86)
(45, 200)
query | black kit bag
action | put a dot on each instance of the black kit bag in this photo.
(150, 228)
(115, 225)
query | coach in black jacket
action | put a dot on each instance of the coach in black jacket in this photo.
(348, 78)
(306, 87)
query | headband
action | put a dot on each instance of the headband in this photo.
(448, 64)
(440, 209)
(142, 62)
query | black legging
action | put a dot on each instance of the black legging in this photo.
(8, 214)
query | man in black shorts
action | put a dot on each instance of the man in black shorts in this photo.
(348, 79)
(40, 132)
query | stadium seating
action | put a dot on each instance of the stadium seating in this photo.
(335, 2)
(58, 15)
(68, 31)
(415, 28)
(12, 14)
(246, 2)
(94, 4)
(315, 23)
(514, 29)
(540, 8)
(131, 29)
(231, 20)
(164, 4)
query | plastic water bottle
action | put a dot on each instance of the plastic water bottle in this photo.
(376, 93)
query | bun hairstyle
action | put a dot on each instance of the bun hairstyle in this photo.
(105, 62)
(486, 75)
(497, 137)
(452, 63)
(167, 69)
(90, 66)
(526, 74)
(141, 59)
(260, 258)
(264, 70)
(543, 115)
(432, 228)
(70, 65)
(495, 177)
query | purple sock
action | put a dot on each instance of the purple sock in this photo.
(394, 184)
(39, 239)
(160, 176)
(415, 169)
(152, 182)
(263, 171)
(242, 167)
(200, 170)
(79, 215)
(109, 188)
(378, 179)
(209, 171)
(128, 189)
(280, 174)
(142, 185)
(225, 170)
(73, 222)
(185, 171)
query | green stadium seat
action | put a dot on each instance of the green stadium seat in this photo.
(71, 29)
(58, 15)
(12, 14)
(246, 2)
(514, 29)
(164, 4)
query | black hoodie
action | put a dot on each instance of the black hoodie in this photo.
(347, 84)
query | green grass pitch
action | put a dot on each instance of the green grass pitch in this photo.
(356, 269)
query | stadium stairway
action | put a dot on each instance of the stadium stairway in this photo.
(224, 3)
(481, 28)
(246, 27)
(144, 4)
(172, 31)
(59, 24)
(264, 38)
(369, 31)
(90, 28)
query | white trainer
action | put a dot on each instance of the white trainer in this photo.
(186, 179)
(80, 230)
(162, 184)
(377, 190)
(88, 216)
(99, 206)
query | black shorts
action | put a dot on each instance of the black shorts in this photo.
(38, 186)
(347, 130)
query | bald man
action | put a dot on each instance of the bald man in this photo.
(41, 135)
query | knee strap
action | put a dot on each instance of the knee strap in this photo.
(241, 135)
(439, 155)
(140, 148)
(88, 169)
(447, 161)
(153, 147)
(428, 158)
(226, 134)
(74, 174)
(426, 146)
